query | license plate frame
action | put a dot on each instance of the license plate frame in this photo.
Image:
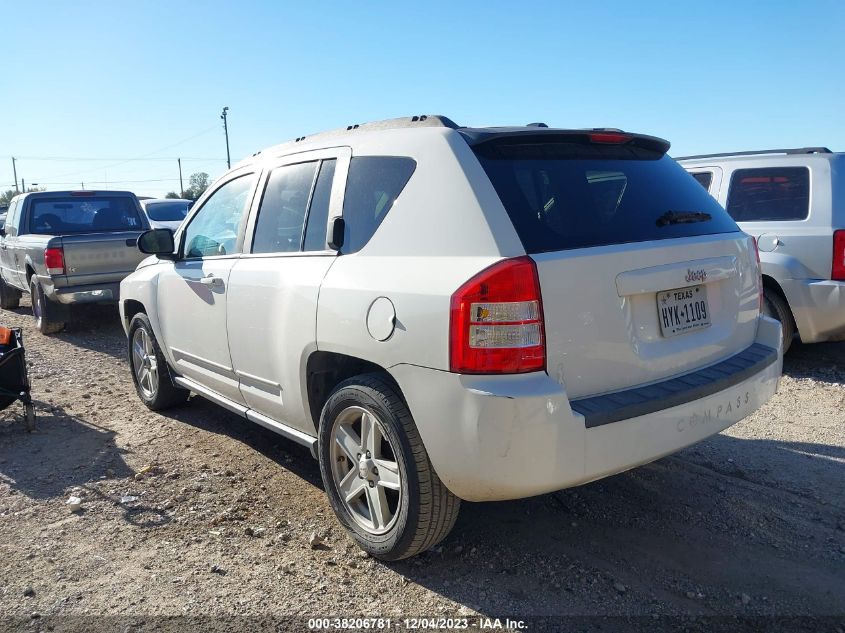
(683, 310)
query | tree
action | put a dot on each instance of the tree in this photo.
(6, 196)
(171, 194)
(197, 183)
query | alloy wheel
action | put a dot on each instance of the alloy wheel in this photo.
(144, 363)
(365, 470)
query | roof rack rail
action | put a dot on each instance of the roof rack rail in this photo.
(418, 120)
(796, 150)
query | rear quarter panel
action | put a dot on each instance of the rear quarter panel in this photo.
(446, 226)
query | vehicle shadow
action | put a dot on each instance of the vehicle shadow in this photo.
(689, 535)
(93, 327)
(821, 361)
(207, 416)
(65, 452)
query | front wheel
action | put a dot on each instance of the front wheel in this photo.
(47, 313)
(149, 368)
(377, 474)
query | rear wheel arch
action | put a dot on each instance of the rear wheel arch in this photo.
(325, 370)
(781, 309)
(30, 272)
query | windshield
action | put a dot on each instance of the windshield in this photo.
(562, 196)
(83, 215)
(168, 211)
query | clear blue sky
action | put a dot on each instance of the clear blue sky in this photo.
(119, 80)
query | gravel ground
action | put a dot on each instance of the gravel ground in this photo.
(197, 513)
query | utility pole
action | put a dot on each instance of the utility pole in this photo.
(15, 171)
(181, 186)
(83, 186)
(226, 130)
(23, 186)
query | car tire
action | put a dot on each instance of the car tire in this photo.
(400, 510)
(775, 306)
(45, 311)
(10, 298)
(150, 371)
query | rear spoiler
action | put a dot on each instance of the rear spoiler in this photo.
(543, 136)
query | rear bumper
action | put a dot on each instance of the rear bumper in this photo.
(507, 437)
(94, 293)
(818, 308)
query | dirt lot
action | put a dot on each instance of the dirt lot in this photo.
(749, 523)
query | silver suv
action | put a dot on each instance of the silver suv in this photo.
(445, 313)
(793, 202)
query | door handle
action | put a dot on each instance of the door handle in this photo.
(211, 280)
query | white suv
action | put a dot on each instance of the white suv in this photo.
(446, 313)
(793, 202)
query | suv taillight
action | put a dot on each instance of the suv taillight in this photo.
(54, 260)
(496, 322)
(837, 272)
(759, 273)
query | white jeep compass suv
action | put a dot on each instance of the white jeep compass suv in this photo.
(445, 313)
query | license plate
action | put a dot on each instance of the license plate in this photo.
(683, 310)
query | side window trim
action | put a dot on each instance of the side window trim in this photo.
(197, 208)
(341, 155)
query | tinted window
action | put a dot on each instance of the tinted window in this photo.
(318, 214)
(83, 214)
(168, 211)
(214, 229)
(565, 195)
(372, 187)
(703, 178)
(283, 208)
(775, 193)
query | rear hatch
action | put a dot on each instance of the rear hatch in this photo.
(643, 275)
(99, 234)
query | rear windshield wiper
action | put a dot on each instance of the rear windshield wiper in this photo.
(682, 217)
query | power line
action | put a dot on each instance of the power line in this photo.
(121, 162)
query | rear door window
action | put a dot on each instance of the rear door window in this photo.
(567, 195)
(769, 194)
(318, 213)
(63, 215)
(373, 184)
(703, 178)
(281, 217)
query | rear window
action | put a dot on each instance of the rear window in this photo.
(168, 211)
(83, 215)
(373, 184)
(564, 195)
(774, 193)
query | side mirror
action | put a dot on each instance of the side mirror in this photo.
(335, 236)
(157, 242)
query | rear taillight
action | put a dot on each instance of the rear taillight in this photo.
(54, 260)
(759, 273)
(837, 272)
(496, 322)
